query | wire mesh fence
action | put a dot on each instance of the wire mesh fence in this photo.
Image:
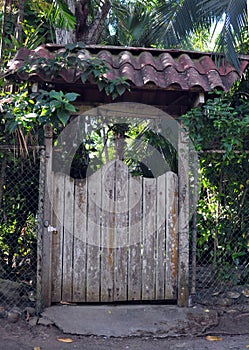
(220, 250)
(20, 185)
(220, 272)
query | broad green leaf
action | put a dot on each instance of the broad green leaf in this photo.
(101, 85)
(71, 96)
(70, 46)
(56, 94)
(70, 107)
(63, 116)
(84, 77)
(55, 104)
(120, 89)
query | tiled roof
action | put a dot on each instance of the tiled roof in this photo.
(144, 68)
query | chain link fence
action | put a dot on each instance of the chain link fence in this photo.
(21, 181)
(219, 236)
(220, 230)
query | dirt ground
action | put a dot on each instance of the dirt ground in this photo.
(21, 336)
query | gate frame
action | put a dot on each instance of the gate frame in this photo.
(44, 297)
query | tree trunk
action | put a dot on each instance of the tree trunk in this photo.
(89, 33)
(3, 29)
(63, 36)
(19, 21)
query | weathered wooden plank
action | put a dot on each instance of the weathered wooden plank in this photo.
(160, 261)
(68, 222)
(80, 227)
(56, 231)
(93, 237)
(121, 232)
(171, 236)
(149, 229)
(183, 262)
(135, 239)
(108, 222)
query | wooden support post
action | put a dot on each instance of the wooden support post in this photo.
(40, 231)
(194, 231)
(183, 255)
(46, 235)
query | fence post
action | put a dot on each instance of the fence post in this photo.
(46, 237)
(183, 255)
(40, 230)
(194, 218)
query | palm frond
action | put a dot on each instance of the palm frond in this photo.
(174, 21)
(61, 16)
(56, 12)
(233, 18)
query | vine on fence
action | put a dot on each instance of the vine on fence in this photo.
(220, 132)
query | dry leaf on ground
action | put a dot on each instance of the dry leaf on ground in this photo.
(65, 340)
(213, 338)
(37, 348)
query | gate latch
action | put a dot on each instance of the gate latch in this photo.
(52, 229)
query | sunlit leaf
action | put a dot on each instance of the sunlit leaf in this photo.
(65, 340)
(213, 338)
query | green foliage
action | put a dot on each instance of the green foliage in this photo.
(35, 29)
(73, 57)
(97, 69)
(18, 211)
(56, 12)
(54, 106)
(220, 132)
(26, 111)
(130, 24)
(222, 123)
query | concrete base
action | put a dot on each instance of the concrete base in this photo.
(131, 320)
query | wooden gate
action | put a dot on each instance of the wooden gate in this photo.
(115, 237)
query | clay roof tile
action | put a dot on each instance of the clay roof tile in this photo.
(165, 69)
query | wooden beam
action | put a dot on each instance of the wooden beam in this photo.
(47, 216)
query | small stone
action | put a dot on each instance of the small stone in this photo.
(45, 322)
(233, 295)
(30, 310)
(13, 316)
(17, 310)
(224, 302)
(246, 293)
(33, 321)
